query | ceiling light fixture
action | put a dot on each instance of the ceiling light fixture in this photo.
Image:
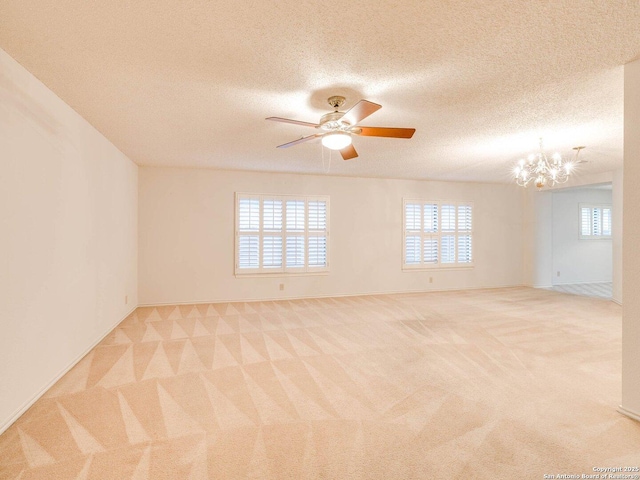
(336, 140)
(542, 171)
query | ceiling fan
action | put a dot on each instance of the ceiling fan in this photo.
(338, 127)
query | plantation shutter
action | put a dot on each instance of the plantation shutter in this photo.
(448, 249)
(272, 234)
(295, 234)
(248, 237)
(317, 233)
(464, 234)
(437, 234)
(448, 218)
(595, 221)
(295, 251)
(413, 239)
(430, 250)
(606, 221)
(448, 224)
(430, 242)
(281, 234)
(585, 221)
(412, 250)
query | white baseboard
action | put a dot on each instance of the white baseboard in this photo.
(13, 417)
(579, 283)
(332, 295)
(629, 413)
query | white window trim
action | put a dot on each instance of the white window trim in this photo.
(439, 265)
(284, 270)
(592, 206)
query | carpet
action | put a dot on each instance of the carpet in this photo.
(500, 383)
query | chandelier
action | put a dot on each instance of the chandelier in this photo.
(542, 170)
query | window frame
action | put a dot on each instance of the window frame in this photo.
(592, 207)
(438, 235)
(307, 233)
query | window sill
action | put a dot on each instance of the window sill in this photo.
(436, 267)
(596, 237)
(281, 274)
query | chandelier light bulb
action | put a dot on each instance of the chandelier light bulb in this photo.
(336, 140)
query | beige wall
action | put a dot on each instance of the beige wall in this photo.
(68, 207)
(537, 237)
(186, 235)
(617, 233)
(630, 235)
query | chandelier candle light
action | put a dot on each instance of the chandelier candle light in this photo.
(541, 170)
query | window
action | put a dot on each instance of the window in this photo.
(437, 234)
(276, 234)
(595, 221)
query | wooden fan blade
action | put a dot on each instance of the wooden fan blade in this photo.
(348, 152)
(386, 132)
(300, 140)
(295, 122)
(360, 111)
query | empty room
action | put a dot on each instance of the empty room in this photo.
(319, 240)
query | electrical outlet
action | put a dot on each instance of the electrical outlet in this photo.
(430, 279)
(126, 299)
(282, 286)
(558, 272)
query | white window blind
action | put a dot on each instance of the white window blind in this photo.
(595, 221)
(437, 234)
(412, 249)
(464, 234)
(288, 234)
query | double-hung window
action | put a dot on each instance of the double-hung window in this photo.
(281, 233)
(437, 234)
(595, 221)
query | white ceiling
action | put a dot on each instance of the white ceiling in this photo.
(189, 83)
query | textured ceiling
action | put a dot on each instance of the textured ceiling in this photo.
(189, 83)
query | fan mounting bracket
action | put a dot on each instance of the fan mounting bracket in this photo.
(336, 101)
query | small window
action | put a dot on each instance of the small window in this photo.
(595, 222)
(437, 234)
(281, 234)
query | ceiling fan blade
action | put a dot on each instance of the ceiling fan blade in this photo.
(386, 132)
(300, 140)
(360, 111)
(348, 152)
(295, 122)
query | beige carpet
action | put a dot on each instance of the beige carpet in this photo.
(507, 383)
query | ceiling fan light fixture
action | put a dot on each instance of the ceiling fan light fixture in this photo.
(336, 140)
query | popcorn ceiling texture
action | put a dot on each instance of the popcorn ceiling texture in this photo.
(189, 83)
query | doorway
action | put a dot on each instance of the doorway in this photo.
(582, 241)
